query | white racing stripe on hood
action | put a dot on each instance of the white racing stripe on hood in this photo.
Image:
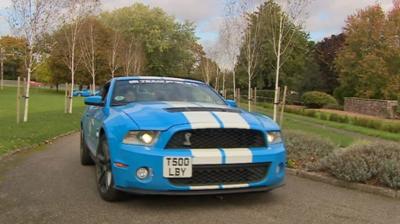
(229, 186)
(232, 120)
(209, 187)
(200, 120)
(206, 156)
(234, 156)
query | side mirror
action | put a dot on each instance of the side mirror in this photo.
(231, 103)
(94, 101)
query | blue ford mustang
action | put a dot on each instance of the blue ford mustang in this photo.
(152, 135)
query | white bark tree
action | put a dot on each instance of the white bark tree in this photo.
(235, 33)
(88, 50)
(283, 25)
(215, 53)
(32, 19)
(133, 56)
(114, 63)
(75, 11)
(231, 36)
(206, 70)
(251, 52)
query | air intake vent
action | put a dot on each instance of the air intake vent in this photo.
(200, 109)
(204, 175)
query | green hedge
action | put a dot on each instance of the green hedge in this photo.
(315, 99)
(377, 124)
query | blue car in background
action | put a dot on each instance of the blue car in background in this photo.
(76, 93)
(152, 135)
(85, 93)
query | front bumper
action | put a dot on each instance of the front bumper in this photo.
(203, 192)
(137, 156)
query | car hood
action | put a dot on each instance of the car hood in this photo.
(164, 115)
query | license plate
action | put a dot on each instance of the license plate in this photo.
(177, 167)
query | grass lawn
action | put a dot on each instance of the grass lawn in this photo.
(46, 118)
(339, 133)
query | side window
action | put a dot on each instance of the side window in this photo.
(104, 92)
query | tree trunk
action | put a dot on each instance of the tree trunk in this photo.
(2, 68)
(278, 66)
(249, 90)
(28, 86)
(70, 101)
(94, 83)
(234, 84)
(223, 84)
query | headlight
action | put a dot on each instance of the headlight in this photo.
(274, 137)
(141, 138)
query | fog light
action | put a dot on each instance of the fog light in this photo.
(142, 173)
(280, 168)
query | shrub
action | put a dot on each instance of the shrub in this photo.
(378, 124)
(334, 107)
(390, 174)
(366, 122)
(363, 162)
(310, 113)
(338, 118)
(323, 116)
(317, 99)
(391, 127)
(305, 151)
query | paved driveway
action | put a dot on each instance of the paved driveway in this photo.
(50, 186)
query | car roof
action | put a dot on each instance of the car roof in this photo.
(157, 78)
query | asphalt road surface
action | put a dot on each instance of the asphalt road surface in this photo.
(50, 186)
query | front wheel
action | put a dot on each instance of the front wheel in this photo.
(104, 177)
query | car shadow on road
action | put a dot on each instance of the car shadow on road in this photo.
(171, 203)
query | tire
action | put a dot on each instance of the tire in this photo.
(86, 160)
(104, 177)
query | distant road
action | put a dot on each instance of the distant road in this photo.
(50, 186)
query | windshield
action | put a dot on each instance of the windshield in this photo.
(147, 90)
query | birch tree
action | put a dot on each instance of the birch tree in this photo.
(231, 36)
(206, 69)
(88, 51)
(133, 56)
(114, 63)
(75, 11)
(241, 22)
(31, 20)
(215, 53)
(284, 24)
(252, 51)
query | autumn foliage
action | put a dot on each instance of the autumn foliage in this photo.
(369, 63)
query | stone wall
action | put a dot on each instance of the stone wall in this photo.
(378, 108)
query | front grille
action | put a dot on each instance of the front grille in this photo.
(224, 174)
(216, 138)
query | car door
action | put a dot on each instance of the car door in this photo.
(95, 116)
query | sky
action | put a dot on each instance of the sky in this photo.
(326, 17)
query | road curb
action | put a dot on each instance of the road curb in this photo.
(48, 141)
(387, 192)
